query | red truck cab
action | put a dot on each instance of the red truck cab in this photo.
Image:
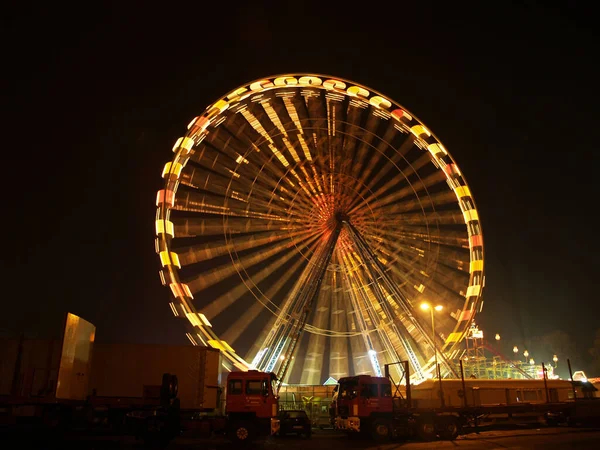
(251, 404)
(362, 399)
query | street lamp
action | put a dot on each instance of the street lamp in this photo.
(497, 337)
(532, 361)
(428, 307)
(555, 359)
(526, 355)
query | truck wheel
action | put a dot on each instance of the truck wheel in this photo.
(381, 430)
(449, 429)
(242, 432)
(426, 430)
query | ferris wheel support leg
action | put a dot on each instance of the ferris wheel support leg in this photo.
(376, 272)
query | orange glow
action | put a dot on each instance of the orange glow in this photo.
(401, 114)
(475, 240)
(181, 290)
(166, 197)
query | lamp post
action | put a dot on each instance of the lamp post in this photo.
(555, 359)
(427, 307)
(526, 355)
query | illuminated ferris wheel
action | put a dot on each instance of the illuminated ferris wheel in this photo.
(304, 220)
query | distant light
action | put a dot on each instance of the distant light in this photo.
(531, 361)
(497, 337)
(516, 349)
(439, 308)
(282, 357)
(425, 306)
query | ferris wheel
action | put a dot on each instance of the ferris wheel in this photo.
(304, 220)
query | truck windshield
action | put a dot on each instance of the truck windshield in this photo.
(348, 389)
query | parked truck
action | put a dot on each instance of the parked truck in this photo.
(443, 408)
(251, 408)
(75, 382)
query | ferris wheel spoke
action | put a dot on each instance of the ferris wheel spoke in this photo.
(393, 197)
(214, 249)
(421, 248)
(234, 332)
(338, 347)
(313, 361)
(374, 154)
(425, 268)
(218, 305)
(394, 341)
(426, 235)
(429, 218)
(218, 226)
(216, 274)
(396, 158)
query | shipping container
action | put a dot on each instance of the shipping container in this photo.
(29, 367)
(129, 371)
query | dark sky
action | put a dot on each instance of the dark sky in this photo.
(96, 98)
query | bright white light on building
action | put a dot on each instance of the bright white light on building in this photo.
(257, 358)
(374, 362)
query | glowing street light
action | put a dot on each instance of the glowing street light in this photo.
(515, 350)
(531, 361)
(555, 359)
(526, 355)
(497, 337)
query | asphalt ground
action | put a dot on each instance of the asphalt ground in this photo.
(527, 438)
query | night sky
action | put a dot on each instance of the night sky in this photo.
(94, 100)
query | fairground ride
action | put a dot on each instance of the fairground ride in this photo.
(303, 221)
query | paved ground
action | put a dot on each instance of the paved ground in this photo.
(543, 438)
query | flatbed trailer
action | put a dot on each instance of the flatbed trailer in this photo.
(377, 406)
